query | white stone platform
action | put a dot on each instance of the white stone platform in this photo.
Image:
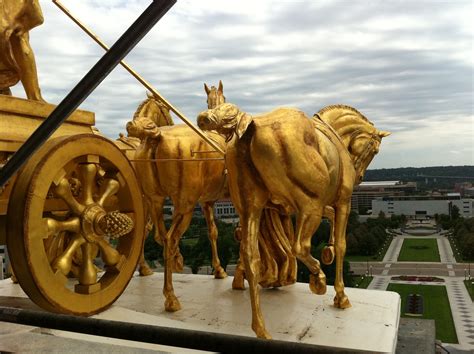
(291, 313)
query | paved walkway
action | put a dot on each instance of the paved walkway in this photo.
(462, 309)
(445, 251)
(379, 283)
(461, 304)
(393, 250)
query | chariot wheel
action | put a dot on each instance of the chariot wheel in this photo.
(75, 225)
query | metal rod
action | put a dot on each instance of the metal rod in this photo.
(89, 82)
(201, 152)
(184, 160)
(147, 85)
(182, 338)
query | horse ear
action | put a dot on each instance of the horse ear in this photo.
(149, 94)
(243, 124)
(383, 133)
(221, 87)
(206, 89)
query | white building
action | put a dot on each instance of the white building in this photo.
(3, 262)
(224, 209)
(423, 205)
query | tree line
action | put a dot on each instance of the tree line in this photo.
(363, 238)
(462, 231)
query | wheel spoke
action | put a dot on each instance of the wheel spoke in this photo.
(88, 173)
(111, 186)
(64, 262)
(87, 273)
(53, 227)
(110, 255)
(63, 190)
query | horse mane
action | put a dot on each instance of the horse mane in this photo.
(163, 110)
(344, 119)
(345, 107)
(140, 107)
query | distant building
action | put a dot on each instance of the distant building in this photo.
(224, 209)
(365, 192)
(466, 189)
(3, 261)
(422, 206)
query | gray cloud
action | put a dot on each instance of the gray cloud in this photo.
(406, 65)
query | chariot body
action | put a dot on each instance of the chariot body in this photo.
(73, 216)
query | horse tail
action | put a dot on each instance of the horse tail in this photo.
(278, 266)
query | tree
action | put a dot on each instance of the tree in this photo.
(455, 213)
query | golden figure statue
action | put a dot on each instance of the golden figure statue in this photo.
(300, 165)
(184, 168)
(17, 61)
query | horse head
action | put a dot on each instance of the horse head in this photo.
(358, 135)
(227, 119)
(142, 128)
(215, 96)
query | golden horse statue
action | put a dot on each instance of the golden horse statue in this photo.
(301, 166)
(160, 115)
(185, 169)
(17, 60)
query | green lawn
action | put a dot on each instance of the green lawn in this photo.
(436, 307)
(419, 250)
(378, 257)
(470, 287)
(362, 282)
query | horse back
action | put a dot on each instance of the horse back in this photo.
(185, 167)
(288, 152)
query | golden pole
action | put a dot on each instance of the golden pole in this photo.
(139, 78)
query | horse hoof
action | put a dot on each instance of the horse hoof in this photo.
(144, 270)
(263, 334)
(317, 283)
(327, 255)
(172, 304)
(342, 302)
(238, 283)
(220, 273)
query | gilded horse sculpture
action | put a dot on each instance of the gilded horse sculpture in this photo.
(17, 61)
(159, 114)
(178, 171)
(301, 165)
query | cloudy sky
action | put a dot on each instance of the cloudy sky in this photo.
(406, 65)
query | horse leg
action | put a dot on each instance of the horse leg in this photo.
(327, 254)
(342, 214)
(170, 244)
(250, 226)
(306, 225)
(239, 275)
(155, 212)
(219, 272)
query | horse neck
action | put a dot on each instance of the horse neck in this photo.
(346, 122)
(157, 112)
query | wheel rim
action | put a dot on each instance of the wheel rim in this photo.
(65, 196)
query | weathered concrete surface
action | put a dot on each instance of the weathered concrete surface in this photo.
(291, 313)
(416, 336)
